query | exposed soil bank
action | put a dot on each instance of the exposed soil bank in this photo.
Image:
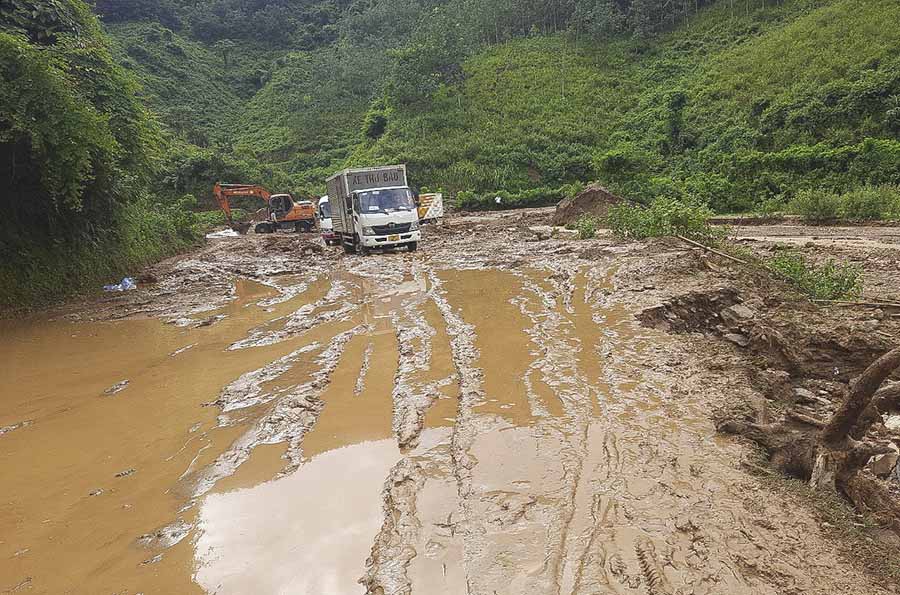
(489, 415)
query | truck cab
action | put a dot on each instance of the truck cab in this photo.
(386, 217)
(325, 224)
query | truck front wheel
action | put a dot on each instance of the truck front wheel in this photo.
(412, 246)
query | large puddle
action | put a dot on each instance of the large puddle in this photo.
(305, 533)
(108, 431)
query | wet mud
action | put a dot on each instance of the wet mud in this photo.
(484, 416)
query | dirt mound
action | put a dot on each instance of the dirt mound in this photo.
(593, 200)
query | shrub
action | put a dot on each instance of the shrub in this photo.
(871, 203)
(830, 281)
(770, 207)
(816, 205)
(587, 226)
(867, 203)
(375, 124)
(664, 217)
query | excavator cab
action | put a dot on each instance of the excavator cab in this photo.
(280, 205)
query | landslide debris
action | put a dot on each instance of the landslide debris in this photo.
(593, 200)
(800, 363)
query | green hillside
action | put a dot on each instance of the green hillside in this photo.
(732, 103)
(79, 156)
(732, 110)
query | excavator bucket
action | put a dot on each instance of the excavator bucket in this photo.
(242, 227)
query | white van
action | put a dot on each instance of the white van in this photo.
(325, 225)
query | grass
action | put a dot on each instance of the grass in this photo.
(41, 273)
(669, 217)
(189, 85)
(664, 217)
(828, 281)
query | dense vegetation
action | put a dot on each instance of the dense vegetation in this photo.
(866, 203)
(737, 105)
(78, 153)
(732, 103)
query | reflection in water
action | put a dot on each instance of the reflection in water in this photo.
(308, 532)
(67, 517)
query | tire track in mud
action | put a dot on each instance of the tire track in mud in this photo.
(477, 508)
(575, 478)
(283, 397)
(644, 502)
(585, 487)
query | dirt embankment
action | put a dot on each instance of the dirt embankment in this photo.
(594, 200)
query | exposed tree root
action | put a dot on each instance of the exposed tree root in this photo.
(832, 455)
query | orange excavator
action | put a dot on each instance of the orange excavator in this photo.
(282, 211)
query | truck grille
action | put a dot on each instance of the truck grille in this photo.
(383, 230)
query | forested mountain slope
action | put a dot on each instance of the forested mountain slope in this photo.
(80, 156)
(731, 102)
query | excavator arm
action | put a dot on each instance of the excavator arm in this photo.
(223, 191)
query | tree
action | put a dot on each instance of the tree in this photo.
(224, 47)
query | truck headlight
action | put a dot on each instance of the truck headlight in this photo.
(414, 226)
(368, 231)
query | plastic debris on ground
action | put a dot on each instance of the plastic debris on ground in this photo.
(225, 233)
(127, 284)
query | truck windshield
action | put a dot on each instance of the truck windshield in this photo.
(325, 210)
(386, 201)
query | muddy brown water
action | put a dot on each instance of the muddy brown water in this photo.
(396, 427)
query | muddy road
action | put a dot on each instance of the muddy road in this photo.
(485, 416)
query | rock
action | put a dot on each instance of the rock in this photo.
(804, 395)
(742, 311)
(807, 397)
(565, 234)
(593, 200)
(541, 232)
(892, 422)
(884, 465)
(775, 384)
(737, 339)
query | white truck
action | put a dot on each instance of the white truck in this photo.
(373, 208)
(326, 227)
